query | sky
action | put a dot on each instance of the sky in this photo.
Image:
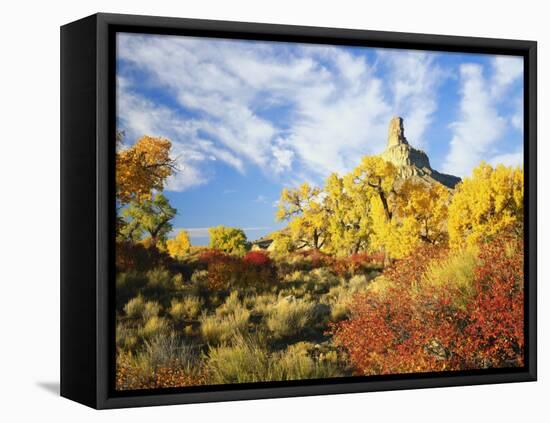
(248, 118)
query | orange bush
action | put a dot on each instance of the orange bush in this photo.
(356, 263)
(407, 329)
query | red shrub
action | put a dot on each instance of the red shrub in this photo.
(211, 255)
(356, 263)
(133, 256)
(224, 271)
(494, 336)
(410, 330)
(257, 258)
(259, 272)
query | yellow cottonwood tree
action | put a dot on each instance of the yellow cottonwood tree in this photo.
(229, 240)
(304, 209)
(142, 168)
(486, 205)
(428, 204)
(395, 237)
(179, 246)
(349, 220)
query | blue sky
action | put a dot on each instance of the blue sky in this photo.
(248, 118)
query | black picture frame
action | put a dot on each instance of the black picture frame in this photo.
(87, 208)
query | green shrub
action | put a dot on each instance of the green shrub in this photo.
(187, 308)
(358, 283)
(295, 363)
(244, 361)
(288, 317)
(168, 350)
(159, 279)
(135, 307)
(199, 284)
(151, 309)
(456, 271)
(230, 306)
(128, 285)
(248, 360)
(126, 338)
(261, 303)
(152, 327)
(216, 329)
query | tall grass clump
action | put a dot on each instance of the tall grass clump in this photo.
(164, 361)
(135, 307)
(295, 363)
(246, 360)
(457, 271)
(288, 317)
(154, 326)
(217, 329)
(186, 308)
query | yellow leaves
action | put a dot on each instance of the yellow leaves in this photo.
(428, 205)
(229, 240)
(304, 208)
(179, 246)
(489, 202)
(396, 237)
(142, 168)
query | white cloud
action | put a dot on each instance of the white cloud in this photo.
(261, 199)
(203, 232)
(506, 70)
(414, 78)
(480, 124)
(337, 109)
(508, 159)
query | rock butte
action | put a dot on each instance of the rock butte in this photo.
(411, 162)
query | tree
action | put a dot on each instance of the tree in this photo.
(179, 246)
(148, 216)
(142, 168)
(303, 208)
(487, 204)
(349, 219)
(428, 204)
(376, 177)
(229, 240)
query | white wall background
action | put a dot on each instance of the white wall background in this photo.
(29, 212)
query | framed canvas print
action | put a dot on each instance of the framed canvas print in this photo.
(256, 211)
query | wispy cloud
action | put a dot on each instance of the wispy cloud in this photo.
(203, 232)
(481, 122)
(223, 96)
(261, 199)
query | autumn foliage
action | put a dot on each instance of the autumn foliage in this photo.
(373, 274)
(414, 327)
(142, 168)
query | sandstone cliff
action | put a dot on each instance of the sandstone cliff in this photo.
(410, 161)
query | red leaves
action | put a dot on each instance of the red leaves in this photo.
(226, 271)
(356, 263)
(257, 258)
(411, 329)
(494, 336)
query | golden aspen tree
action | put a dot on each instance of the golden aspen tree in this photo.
(304, 209)
(349, 220)
(143, 168)
(179, 246)
(428, 204)
(229, 240)
(486, 205)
